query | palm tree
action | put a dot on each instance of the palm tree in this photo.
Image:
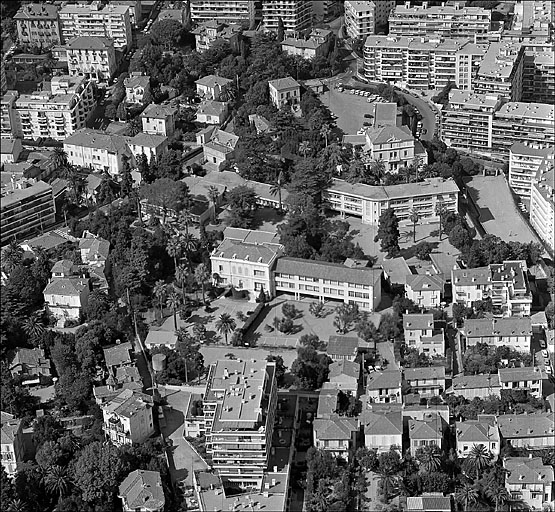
(57, 481)
(16, 505)
(59, 158)
(429, 458)
(389, 480)
(325, 131)
(11, 256)
(479, 458)
(498, 494)
(414, 218)
(173, 302)
(181, 274)
(276, 187)
(33, 327)
(174, 248)
(466, 495)
(160, 291)
(189, 244)
(441, 211)
(377, 168)
(184, 220)
(304, 148)
(77, 184)
(213, 195)
(202, 275)
(225, 325)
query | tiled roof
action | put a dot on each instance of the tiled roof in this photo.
(388, 379)
(251, 236)
(10, 427)
(388, 134)
(63, 267)
(471, 276)
(387, 424)
(66, 286)
(418, 322)
(97, 139)
(232, 249)
(142, 490)
(137, 81)
(284, 83)
(342, 345)
(223, 139)
(430, 427)
(423, 282)
(512, 326)
(334, 428)
(476, 431)
(213, 80)
(118, 355)
(37, 11)
(526, 425)
(212, 108)
(158, 111)
(396, 270)
(521, 374)
(168, 338)
(525, 470)
(431, 372)
(147, 140)
(128, 402)
(89, 43)
(31, 357)
(462, 382)
(344, 367)
(261, 123)
(427, 503)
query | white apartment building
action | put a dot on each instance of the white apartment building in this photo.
(55, 112)
(225, 11)
(542, 202)
(159, 119)
(135, 10)
(530, 481)
(91, 57)
(284, 91)
(514, 332)
(422, 63)
(440, 21)
(369, 202)
(128, 418)
(7, 115)
(295, 14)
(362, 18)
(37, 24)
(524, 162)
(25, 211)
(112, 21)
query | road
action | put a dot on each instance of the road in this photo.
(428, 115)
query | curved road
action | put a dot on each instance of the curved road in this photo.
(428, 114)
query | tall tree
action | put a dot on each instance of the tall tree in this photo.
(280, 30)
(414, 218)
(160, 291)
(12, 256)
(466, 495)
(388, 233)
(58, 481)
(276, 187)
(429, 458)
(325, 132)
(225, 325)
(174, 249)
(441, 211)
(304, 148)
(213, 195)
(202, 276)
(181, 275)
(34, 328)
(173, 302)
(479, 458)
(189, 244)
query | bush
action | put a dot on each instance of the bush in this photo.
(423, 250)
(290, 311)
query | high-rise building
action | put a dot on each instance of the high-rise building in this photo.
(533, 18)
(440, 21)
(37, 24)
(296, 15)
(226, 11)
(542, 202)
(538, 84)
(362, 18)
(523, 166)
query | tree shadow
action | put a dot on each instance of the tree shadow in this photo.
(253, 339)
(410, 252)
(204, 320)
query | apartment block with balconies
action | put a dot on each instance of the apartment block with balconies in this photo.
(37, 24)
(296, 15)
(542, 202)
(226, 11)
(91, 57)
(362, 18)
(524, 162)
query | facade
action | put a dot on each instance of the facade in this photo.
(135, 10)
(427, 431)
(369, 202)
(324, 281)
(91, 57)
(483, 431)
(10, 149)
(362, 19)
(37, 24)
(524, 162)
(211, 87)
(152, 146)
(514, 332)
(11, 442)
(67, 297)
(159, 120)
(55, 113)
(219, 148)
(8, 127)
(542, 202)
(225, 11)
(25, 211)
(136, 86)
(128, 418)
(424, 290)
(440, 21)
(531, 431)
(382, 430)
(336, 435)
(384, 387)
(212, 112)
(295, 14)
(317, 44)
(527, 378)
(538, 85)
(420, 334)
(142, 491)
(475, 386)
(529, 481)
(111, 21)
(284, 91)
(425, 381)
(239, 408)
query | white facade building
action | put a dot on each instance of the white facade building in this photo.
(92, 57)
(542, 202)
(524, 162)
(362, 18)
(295, 14)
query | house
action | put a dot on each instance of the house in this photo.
(344, 375)
(136, 86)
(285, 91)
(475, 386)
(427, 431)
(427, 382)
(526, 378)
(261, 124)
(396, 270)
(342, 348)
(10, 149)
(514, 332)
(429, 502)
(161, 339)
(481, 432)
(316, 85)
(211, 87)
(531, 431)
(30, 363)
(92, 57)
(336, 435)
(382, 430)
(220, 148)
(67, 297)
(94, 250)
(210, 31)
(421, 335)
(118, 356)
(64, 268)
(384, 387)
(142, 491)
(148, 144)
(11, 442)
(424, 290)
(310, 48)
(128, 418)
(529, 481)
(212, 112)
(159, 119)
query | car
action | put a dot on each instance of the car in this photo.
(370, 100)
(352, 91)
(545, 354)
(543, 344)
(548, 370)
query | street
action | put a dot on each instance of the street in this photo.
(428, 115)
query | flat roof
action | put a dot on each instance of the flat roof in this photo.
(21, 194)
(529, 111)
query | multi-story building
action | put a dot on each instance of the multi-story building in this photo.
(425, 290)
(440, 21)
(67, 297)
(533, 18)
(30, 363)
(428, 431)
(3, 78)
(11, 442)
(426, 381)
(92, 57)
(336, 435)
(481, 432)
(505, 283)
(226, 11)
(472, 386)
(384, 387)
(421, 335)
(530, 481)
(382, 430)
(422, 63)
(284, 91)
(501, 71)
(135, 10)
(7, 115)
(524, 162)
(514, 332)
(239, 408)
(218, 148)
(152, 146)
(159, 119)
(37, 24)
(94, 19)
(369, 202)
(343, 348)
(212, 87)
(542, 202)
(208, 32)
(128, 418)
(467, 122)
(538, 83)
(26, 210)
(531, 431)
(317, 44)
(296, 15)
(362, 18)
(527, 378)
(136, 86)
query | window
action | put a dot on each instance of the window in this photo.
(259, 273)
(258, 286)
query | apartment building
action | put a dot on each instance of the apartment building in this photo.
(239, 408)
(57, 111)
(533, 18)
(37, 24)
(135, 10)
(91, 57)
(422, 63)
(501, 71)
(329, 281)
(531, 431)
(296, 15)
(527, 378)
(369, 202)
(362, 18)
(443, 21)
(128, 418)
(538, 85)
(226, 11)
(27, 210)
(284, 91)
(382, 430)
(421, 335)
(11, 442)
(542, 202)
(475, 386)
(506, 284)
(426, 382)
(94, 19)
(428, 431)
(530, 481)
(159, 119)
(524, 162)
(467, 122)
(481, 432)
(514, 332)
(7, 115)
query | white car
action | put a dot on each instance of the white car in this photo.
(545, 354)
(548, 370)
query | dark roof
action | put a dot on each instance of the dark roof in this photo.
(342, 345)
(118, 355)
